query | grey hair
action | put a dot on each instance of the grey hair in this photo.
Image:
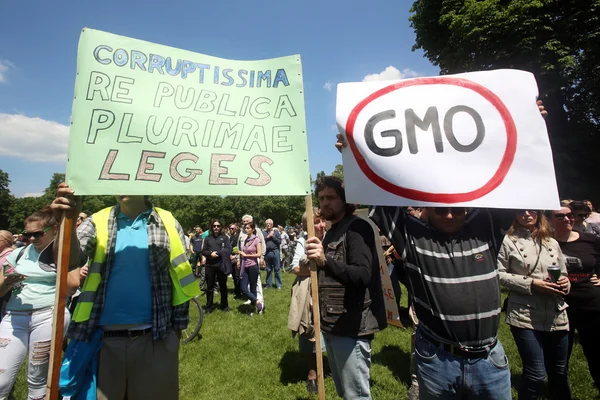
(248, 216)
(269, 220)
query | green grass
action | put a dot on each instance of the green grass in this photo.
(241, 357)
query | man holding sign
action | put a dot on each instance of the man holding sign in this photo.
(137, 291)
(155, 120)
(350, 295)
(450, 258)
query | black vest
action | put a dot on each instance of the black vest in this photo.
(350, 311)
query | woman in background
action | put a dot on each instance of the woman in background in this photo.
(536, 310)
(582, 258)
(250, 271)
(234, 235)
(27, 326)
(6, 247)
(581, 212)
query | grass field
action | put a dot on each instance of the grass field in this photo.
(239, 357)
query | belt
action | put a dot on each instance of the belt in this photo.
(481, 352)
(127, 333)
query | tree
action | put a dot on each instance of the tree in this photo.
(92, 204)
(6, 200)
(22, 208)
(188, 210)
(338, 171)
(557, 40)
(50, 191)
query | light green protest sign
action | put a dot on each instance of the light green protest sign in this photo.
(152, 119)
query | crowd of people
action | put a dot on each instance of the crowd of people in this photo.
(453, 261)
(550, 271)
(548, 260)
(240, 250)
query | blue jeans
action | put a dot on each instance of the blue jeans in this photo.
(249, 281)
(442, 375)
(272, 262)
(350, 363)
(541, 353)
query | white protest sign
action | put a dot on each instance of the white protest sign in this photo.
(474, 139)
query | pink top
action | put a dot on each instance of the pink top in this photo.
(250, 247)
(5, 254)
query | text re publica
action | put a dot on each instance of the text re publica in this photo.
(205, 101)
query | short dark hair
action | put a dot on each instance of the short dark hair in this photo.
(580, 206)
(337, 184)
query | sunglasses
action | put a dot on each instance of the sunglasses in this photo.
(455, 211)
(563, 215)
(36, 234)
(522, 212)
(232, 227)
(216, 226)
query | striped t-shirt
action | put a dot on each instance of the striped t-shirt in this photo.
(454, 280)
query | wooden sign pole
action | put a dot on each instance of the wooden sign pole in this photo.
(58, 319)
(310, 225)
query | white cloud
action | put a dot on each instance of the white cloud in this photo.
(5, 65)
(33, 139)
(328, 86)
(391, 73)
(33, 194)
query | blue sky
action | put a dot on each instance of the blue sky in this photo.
(340, 41)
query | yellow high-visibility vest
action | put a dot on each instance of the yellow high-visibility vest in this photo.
(184, 282)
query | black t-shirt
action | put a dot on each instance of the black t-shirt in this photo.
(197, 241)
(234, 239)
(582, 257)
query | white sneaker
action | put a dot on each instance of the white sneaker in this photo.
(247, 302)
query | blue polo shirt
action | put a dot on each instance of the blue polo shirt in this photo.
(129, 288)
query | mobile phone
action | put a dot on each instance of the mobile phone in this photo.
(16, 274)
